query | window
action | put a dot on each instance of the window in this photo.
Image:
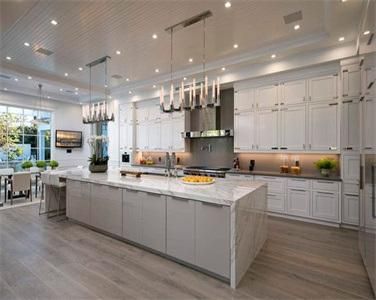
(21, 138)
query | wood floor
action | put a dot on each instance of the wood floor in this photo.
(44, 259)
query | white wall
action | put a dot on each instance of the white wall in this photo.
(65, 117)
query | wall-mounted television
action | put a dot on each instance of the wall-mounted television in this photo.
(68, 139)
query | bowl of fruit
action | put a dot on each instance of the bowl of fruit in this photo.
(198, 180)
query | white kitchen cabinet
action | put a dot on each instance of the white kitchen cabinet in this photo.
(153, 221)
(212, 243)
(244, 131)
(369, 81)
(298, 202)
(351, 81)
(126, 113)
(276, 185)
(132, 216)
(142, 113)
(267, 129)
(293, 137)
(350, 168)
(176, 131)
(351, 188)
(106, 208)
(266, 96)
(243, 100)
(180, 235)
(78, 201)
(326, 185)
(276, 202)
(155, 135)
(323, 126)
(323, 88)
(154, 112)
(350, 209)
(142, 135)
(299, 183)
(369, 119)
(350, 125)
(126, 137)
(293, 92)
(325, 206)
(166, 136)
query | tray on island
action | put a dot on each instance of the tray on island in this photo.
(185, 181)
(131, 173)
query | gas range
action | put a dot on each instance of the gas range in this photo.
(206, 171)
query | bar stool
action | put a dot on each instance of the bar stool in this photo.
(55, 183)
(45, 178)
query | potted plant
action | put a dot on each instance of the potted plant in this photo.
(98, 161)
(53, 164)
(41, 164)
(325, 165)
(26, 165)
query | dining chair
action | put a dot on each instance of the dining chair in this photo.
(20, 182)
(5, 172)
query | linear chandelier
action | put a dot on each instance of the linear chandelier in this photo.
(98, 111)
(194, 95)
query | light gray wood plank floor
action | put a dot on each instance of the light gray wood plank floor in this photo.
(45, 259)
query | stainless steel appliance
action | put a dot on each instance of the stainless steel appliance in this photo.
(206, 171)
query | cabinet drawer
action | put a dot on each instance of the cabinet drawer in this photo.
(275, 184)
(298, 202)
(351, 209)
(325, 185)
(325, 206)
(299, 183)
(239, 176)
(351, 189)
(276, 202)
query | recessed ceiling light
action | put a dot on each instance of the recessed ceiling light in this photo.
(130, 92)
(223, 69)
(26, 44)
(154, 86)
(29, 77)
(273, 56)
(228, 4)
(155, 36)
(66, 74)
(297, 27)
(15, 79)
(127, 79)
(54, 22)
(8, 58)
(5, 89)
(76, 89)
(80, 69)
(343, 0)
(366, 32)
(185, 78)
(110, 97)
(156, 70)
(60, 90)
(236, 46)
(341, 39)
(118, 52)
(48, 97)
(106, 86)
(76, 93)
(190, 59)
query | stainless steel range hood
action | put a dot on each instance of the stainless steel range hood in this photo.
(210, 122)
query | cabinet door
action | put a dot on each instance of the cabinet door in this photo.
(267, 96)
(323, 88)
(369, 119)
(166, 134)
(351, 84)
(142, 114)
(323, 126)
(244, 131)
(350, 125)
(126, 136)
(243, 100)
(153, 221)
(267, 129)
(369, 81)
(106, 208)
(325, 206)
(276, 202)
(181, 229)
(293, 92)
(78, 201)
(132, 215)
(154, 112)
(298, 202)
(351, 209)
(126, 113)
(350, 168)
(155, 135)
(177, 129)
(212, 247)
(293, 137)
(142, 135)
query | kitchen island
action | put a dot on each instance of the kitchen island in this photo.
(217, 229)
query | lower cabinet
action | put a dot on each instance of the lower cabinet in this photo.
(78, 201)
(180, 234)
(350, 209)
(298, 202)
(106, 208)
(276, 202)
(212, 249)
(325, 205)
(131, 216)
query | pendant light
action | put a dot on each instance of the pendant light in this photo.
(38, 119)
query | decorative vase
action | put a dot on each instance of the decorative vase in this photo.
(325, 172)
(98, 168)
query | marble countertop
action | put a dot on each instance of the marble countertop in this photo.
(222, 192)
(288, 175)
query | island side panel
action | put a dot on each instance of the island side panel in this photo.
(248, 231)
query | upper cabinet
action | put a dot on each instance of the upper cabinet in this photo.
(323, 88)
(267, 129)
(350, 125)
(369, 81)
(369, 123)
(293, 92)
(244, 131)
(293, 137)
(351, 83)
(267, 96)
(244, 100)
